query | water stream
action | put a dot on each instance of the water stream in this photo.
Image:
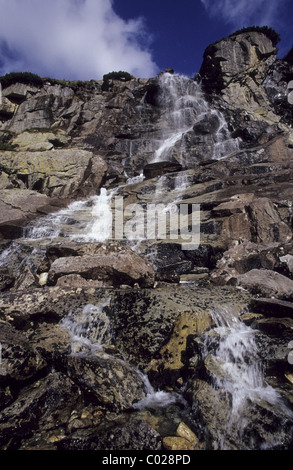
(232, 357)
(90, 220)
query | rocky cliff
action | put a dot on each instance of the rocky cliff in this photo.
(150, 305)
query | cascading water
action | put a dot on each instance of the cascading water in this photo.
(183, 105)
(237, 371)
(240, 376)
(90, 332)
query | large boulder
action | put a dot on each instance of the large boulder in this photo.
(111, 382)
(61, 173)
(266, 283)
(19, 206)
(111, 264)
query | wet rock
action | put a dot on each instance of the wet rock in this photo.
(20, 361)
(253, 431)
(160, 168)
(135, 434)
(51, 340)
(207, 125)
(145, 319)
(112, 383)
(173, 357)
(46, 404)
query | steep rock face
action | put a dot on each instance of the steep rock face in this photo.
(227, 59)
(244, 69)
(234, 158)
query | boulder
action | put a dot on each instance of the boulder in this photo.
(111, 382)
(20, 360)
(19, 206)
(62, 173)
(110, 264)
(266, 283)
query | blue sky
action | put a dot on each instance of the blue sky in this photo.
(84, 39)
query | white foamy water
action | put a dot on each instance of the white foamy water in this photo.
(237, 356)
(89, 328)
(184, 104)
(238, 373)
(90, 332)
(156, 398)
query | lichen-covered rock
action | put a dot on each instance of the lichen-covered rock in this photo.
(20, 361)
(111, 382)
(62, 173)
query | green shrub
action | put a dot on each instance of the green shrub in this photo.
(269, 32)
(21, 77)
(121, 76)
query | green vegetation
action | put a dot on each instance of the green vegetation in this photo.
(21, 77)
(121, 76)
(269, 32)
(29, 78)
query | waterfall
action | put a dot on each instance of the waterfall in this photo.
(90, 332)
(184, 105)
(237, 371)
(89, 328)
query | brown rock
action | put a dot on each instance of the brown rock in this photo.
(112, 266)
(266, 283)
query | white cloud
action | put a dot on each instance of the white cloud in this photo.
(72, 39)
(239, 13)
